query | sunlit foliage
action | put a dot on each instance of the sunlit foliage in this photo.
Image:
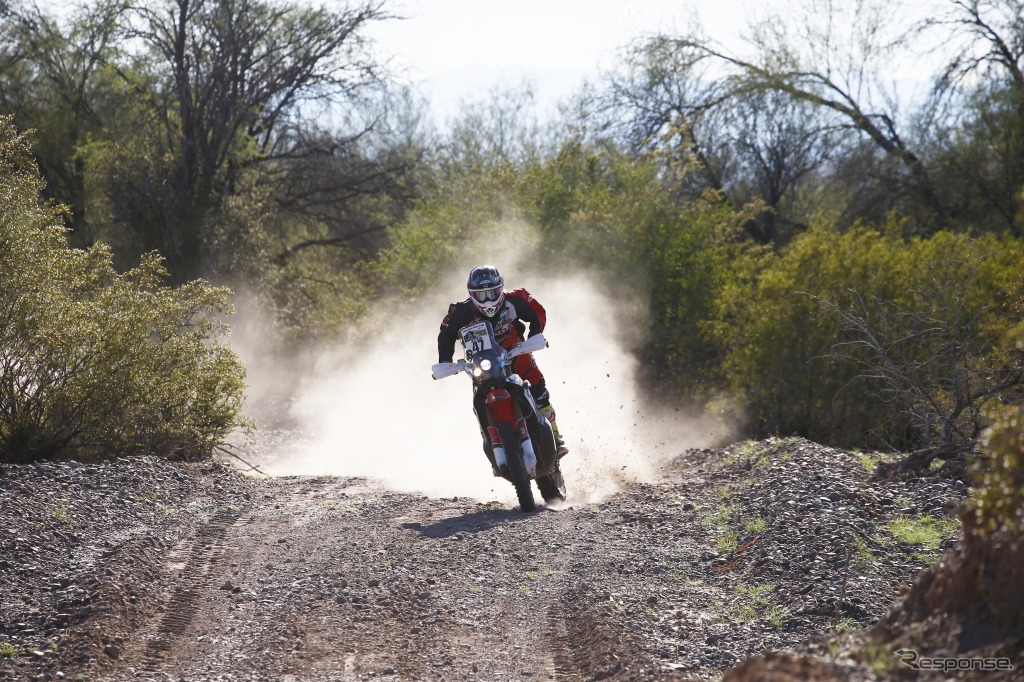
(870, 337)
(96, 363)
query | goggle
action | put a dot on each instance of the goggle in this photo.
(486, 295)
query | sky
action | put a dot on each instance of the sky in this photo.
(456, 51)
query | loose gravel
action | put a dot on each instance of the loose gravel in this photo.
(149, 569)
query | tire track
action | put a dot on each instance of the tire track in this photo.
(556, 636)
(593, 647)
(204, 566)
(584, 641)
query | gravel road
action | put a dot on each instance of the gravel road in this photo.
(149, 569)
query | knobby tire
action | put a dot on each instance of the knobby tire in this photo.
(552, 486)
(516, 468)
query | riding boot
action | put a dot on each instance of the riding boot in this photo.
(549, 412)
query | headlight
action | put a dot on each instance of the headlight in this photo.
(485, 365)
(476, 371)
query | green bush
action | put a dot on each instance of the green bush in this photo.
(998, 501)
(867, 338)
(94, 363)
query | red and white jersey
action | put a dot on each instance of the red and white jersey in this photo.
(518, 310)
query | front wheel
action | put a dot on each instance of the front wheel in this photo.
(516, 469)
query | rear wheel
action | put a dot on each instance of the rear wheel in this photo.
(516, 469)
(552, 486)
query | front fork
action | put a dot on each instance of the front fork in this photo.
(501, 407)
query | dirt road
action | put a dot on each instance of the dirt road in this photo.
(146, 569)
(331, 579)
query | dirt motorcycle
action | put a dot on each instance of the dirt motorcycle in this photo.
(519, 441)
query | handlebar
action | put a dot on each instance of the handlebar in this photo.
(531, 345)
(447, 369)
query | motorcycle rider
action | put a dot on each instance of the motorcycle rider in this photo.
(509, 313)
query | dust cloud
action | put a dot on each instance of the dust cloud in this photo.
(370, 408)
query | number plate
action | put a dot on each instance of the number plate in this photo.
(475, 338)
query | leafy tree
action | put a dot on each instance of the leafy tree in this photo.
(149, 116)
(53, 78)
(603, 210)
(473, 194)
(663, 87)
(94, 363)
(501, 129)
(474, 215)
(779, 151)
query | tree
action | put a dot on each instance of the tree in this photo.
(52, 78)
(778, 147)
(228, 83)
(977, 108)
(665, 95)
(254, 142)
(499, 130)
(753, 145)
(833, 59)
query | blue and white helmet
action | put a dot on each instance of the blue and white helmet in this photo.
(486, 289)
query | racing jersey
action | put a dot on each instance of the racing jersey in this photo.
(518, 310)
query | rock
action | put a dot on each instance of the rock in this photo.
(112, 651)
